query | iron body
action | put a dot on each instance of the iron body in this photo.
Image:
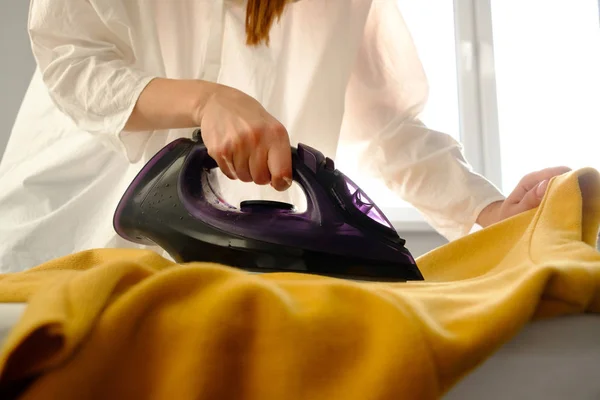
(342, 233)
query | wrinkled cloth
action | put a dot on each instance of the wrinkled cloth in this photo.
(335, 72)
(125, 324)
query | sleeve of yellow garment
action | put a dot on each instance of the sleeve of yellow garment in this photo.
(123, 324)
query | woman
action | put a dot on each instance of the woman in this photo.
(117, 80)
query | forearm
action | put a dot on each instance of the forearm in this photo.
(428, 169)
(170, 104)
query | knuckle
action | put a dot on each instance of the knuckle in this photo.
(236, 143)
(254, 135)
(279, 130)
(219, 151)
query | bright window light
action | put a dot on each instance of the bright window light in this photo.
(547, 55)
(433, 33)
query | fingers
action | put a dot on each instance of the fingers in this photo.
(223, 158)
(261, 156)
(241, 156)
(245, 140)
(279, 159)
(532, 198)
(259, 169)
(531, 190)
(540, 189)
(533, 180)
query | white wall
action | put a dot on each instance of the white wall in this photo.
(18, 65)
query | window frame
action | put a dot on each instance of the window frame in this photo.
(479, 125)
(477, 99)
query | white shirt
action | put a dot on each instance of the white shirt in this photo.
(336, 71)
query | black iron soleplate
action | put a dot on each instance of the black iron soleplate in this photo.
(285, 259)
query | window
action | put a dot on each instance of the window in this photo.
(433, 33)
(547, 62)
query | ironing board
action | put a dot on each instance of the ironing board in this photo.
(552, 360)
(555, 359)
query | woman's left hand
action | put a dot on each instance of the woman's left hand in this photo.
(527, 195)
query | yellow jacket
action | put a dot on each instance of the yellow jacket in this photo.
(128, 324)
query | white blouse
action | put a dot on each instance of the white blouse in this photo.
(336, 71)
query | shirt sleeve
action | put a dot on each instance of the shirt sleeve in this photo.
(386, 93)
(88, 66)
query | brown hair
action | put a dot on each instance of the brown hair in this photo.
(260, 16)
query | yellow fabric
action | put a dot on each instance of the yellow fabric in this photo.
(123, 324)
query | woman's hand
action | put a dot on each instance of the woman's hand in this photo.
(245, 140)
(527, 195)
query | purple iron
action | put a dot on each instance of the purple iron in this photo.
(342, 233)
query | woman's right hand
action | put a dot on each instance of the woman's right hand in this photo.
(245, 140)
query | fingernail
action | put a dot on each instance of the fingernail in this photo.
(288, 181)
(541, 189)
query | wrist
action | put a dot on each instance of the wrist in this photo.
(490, 214)
(171, 104)
(202, 92)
